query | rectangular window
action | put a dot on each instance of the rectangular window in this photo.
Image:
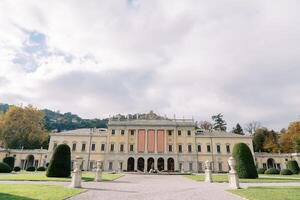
(93, 147)
(74, 147)
(131, 147)
(189, 148)
(180, 148)
(199, 148)
(113, 131)
(110, 166)
(191, 166)
(170, 148)
(218, 148)
(189, 132)
(122, 132)
(121, 147)
(179, 132)
(102, 147)
(112, 146)
(83, 147)
(132, 132)
(278, 166)
(264, 165)
(170, 132)
(208, 148)
(227, 148)
(220, 167)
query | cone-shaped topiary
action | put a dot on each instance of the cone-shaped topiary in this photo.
(245, 166)
(4, 168)
(293, 166)
(60, 163)
(10, 161)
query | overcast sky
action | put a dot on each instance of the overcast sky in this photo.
(189, 58)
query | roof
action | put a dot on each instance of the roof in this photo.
(82, 131)
(153, 122)
(221, 134)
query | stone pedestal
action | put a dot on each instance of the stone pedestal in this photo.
(76, 174)
(233, 178)
(208, 175)
(98, 172)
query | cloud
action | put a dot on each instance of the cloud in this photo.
(191, 58)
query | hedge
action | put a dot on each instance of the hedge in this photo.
(245, 166)
(41, 169)
(293, 166)
(17, 169)
(30, 169)
(286, 172)
(272, 171)
(10, 161)
(261, 170)
(60, 163)
(4, 168)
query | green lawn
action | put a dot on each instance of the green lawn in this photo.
(269, 193)
(41, 176)
(261, 179)
(34, 192)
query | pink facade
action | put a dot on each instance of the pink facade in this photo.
(141, 141)
(160, 141)
(151, 141)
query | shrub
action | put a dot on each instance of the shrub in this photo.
(10, 161)
(4, 168)
(60, 163)
(272, 171)
(30, 169)
(41, 169)
(245, 166)
(17, 169)
(286, 172)
(293, 166)
(261, 170)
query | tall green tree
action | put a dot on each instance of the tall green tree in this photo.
(22, 127)
(238, 129)
(219, 123)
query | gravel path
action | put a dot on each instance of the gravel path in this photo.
(160, 187)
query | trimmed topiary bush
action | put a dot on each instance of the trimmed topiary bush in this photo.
(272, 171)
(10, 161)
(4, 168)
(286, 172)
(261, 170)
(245, 166)
(30, 169)
(41, 169)
(60, 163)
(293, 166)
(17, 169)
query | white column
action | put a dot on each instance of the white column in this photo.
(155, 163)
(136, 141)
(166, 164)
(126, 150)
(145, 165)
(135, 163)
(165, 132)
(146, 140)
(155, 140)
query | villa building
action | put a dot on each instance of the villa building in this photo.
(148, 142)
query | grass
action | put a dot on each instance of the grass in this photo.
(262, 178)
(34, 192)
(269, 193)
(41, 176)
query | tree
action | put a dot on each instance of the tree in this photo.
(205, 125)
(238, 129)
(289, 140)
(245, 166)
(10, 161)
(219, 123)
(60, 163)
(265, 140)
(251, 127)
(22, 127)
(293, 166)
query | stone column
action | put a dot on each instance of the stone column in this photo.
(145, 165)
(155, 163)
(155, 140)
(146, 140)
(126, 141)
(135, 163)
(233, 178)
(165, 142)
(76, 174)
(208, 176)
(166, 164)
(98, 171)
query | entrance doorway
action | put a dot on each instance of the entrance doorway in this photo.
(130, 164)
(160, 164)
(141, 164)
(271, 163)
(150, 164)
(171, 164)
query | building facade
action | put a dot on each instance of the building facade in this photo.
(148, 142)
